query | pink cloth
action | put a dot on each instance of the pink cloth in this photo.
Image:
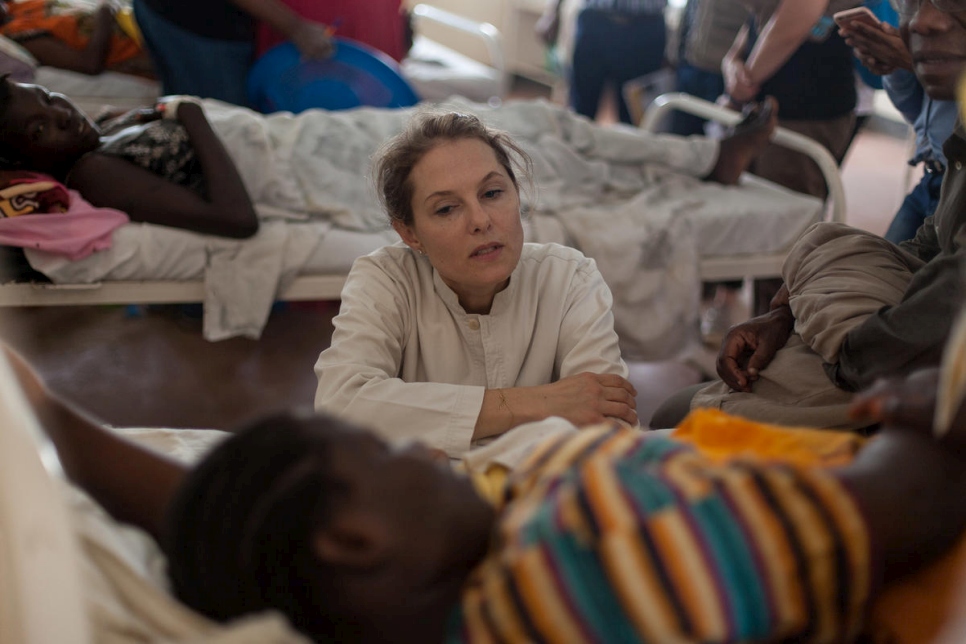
(377, 23)
(77, 233)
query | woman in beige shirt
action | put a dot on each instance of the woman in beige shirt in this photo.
(462, 331)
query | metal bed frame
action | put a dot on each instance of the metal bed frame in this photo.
(329, 287)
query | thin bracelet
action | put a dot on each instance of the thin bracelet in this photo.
(506, 405)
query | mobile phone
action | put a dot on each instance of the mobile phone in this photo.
(858, 14)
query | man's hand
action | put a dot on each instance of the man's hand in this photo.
(738, 82)
(749, 347)
(879, 49)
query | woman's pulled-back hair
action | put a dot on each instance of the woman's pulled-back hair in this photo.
(395, 161)
(239, 531)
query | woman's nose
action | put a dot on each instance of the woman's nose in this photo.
(479, 217)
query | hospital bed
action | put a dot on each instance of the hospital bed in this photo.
(72, 575)
(434, 70)
(743, 236)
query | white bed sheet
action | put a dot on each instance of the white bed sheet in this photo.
(631, 201)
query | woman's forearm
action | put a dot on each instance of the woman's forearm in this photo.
(226, 191)
(782, 35)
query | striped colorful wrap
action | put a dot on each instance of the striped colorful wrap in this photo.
(613, 535)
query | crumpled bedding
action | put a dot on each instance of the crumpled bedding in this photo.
(632, 201)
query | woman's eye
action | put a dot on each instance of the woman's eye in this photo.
(493, 194)
(444, 210)
(37, 132)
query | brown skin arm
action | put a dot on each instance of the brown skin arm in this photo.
(908, 482)
(112, 182)
(91, 60)
(135, 485)
(750, 346)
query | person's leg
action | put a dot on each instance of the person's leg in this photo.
(796, 171)
(918, 204)
(637, 50)
(673, 410)
(587, 75)
(697, 82)
(192, 64)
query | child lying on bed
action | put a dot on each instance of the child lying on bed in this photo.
(75, 37)
(609, 534)
(187, 181)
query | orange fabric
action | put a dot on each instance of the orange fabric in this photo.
(73, 26)
(929, 606)
(721, 436)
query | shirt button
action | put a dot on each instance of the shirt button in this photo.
(474, 325)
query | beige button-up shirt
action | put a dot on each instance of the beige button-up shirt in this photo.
(408, 362)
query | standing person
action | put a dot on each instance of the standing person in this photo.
(616, 41)
(883, 51)
(708, 28)
(792, 51)
(896, 312)
(206, 48)
(463, 331)
(378, 23)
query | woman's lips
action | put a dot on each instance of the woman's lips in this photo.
(486, 251)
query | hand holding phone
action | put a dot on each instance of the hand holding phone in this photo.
(844, 19)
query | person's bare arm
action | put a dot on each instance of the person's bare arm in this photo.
(583, 399)
(112, 182)
(909, 483)
(311, 38)
(91, 60)
(133, 484)
(781, 36)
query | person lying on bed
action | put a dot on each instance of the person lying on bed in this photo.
(463, 331)
(186, 179)
(78, 38)
(608, 535)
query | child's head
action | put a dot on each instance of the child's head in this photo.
(322, 521)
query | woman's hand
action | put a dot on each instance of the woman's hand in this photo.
(879, 49)
(313, 40)
(583, 399)
(588, 398)
(749, 347)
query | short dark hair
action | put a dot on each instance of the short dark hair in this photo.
(238, 533)
(395, 161)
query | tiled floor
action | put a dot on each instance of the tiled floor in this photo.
(153, 368)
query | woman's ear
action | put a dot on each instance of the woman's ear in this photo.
(355, 540)
(408, 235)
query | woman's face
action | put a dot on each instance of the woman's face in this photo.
(47, 129)
(466, 219)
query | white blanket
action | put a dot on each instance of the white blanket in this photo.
(622, 196)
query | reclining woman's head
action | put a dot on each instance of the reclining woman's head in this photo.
(327, 524)
(42, 131)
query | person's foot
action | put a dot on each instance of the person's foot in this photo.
(749, 138)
